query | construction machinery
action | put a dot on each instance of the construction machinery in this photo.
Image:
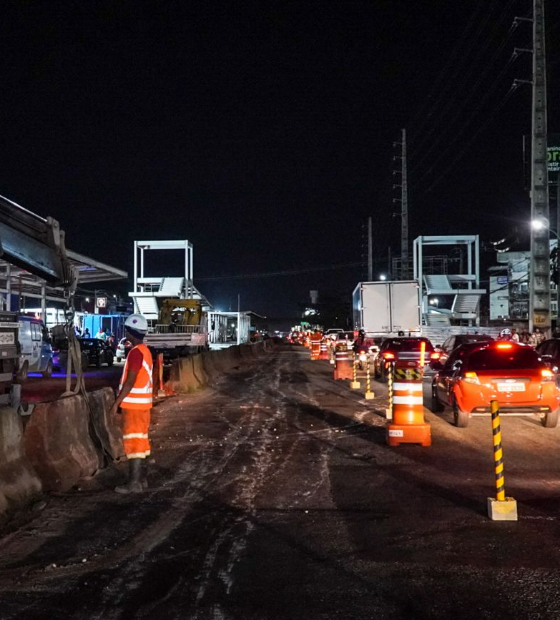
(177, 313)
(35, 244)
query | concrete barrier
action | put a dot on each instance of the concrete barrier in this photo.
(59, 445)
(19, 483)
(196, 371)
(182, 375)
(108, 428)
(211, 362)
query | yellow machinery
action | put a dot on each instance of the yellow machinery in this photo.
(181, 312)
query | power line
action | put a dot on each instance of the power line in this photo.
(468, 144)
(469, 77)
(453, 88)
(285, 272)
(436, 88)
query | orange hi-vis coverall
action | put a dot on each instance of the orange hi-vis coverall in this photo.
(137, 405)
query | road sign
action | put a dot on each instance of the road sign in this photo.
(102, 302)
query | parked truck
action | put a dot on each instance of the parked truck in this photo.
(387, 308)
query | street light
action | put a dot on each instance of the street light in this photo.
(541, 224)
(382, 277)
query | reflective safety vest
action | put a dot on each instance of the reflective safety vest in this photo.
(141, 395)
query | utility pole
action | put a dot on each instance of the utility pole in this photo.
(370, 251)
(539, 296)
(404, 212)
(404, 271)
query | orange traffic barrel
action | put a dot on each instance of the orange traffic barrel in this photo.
(342, 365)
(324, 351)
(408, 424)
(315, 349)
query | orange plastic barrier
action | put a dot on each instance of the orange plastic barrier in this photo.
(342, 365)
(408, 425)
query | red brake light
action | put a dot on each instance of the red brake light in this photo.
(504, 345)
(435, 356)
(547, 375)
(388, 356)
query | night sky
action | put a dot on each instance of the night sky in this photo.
(263, 131)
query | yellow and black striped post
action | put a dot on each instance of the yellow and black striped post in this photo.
(498, 452)
(389, 412)
(502, 508)
(369, 394)
(355, 384)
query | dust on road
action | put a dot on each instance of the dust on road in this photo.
(276, 496)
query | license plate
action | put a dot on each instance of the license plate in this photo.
(511, 387)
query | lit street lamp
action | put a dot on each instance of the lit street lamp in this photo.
(382, 277)
(540, 224)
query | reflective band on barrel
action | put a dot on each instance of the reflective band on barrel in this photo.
(407, 387)
(408, 400)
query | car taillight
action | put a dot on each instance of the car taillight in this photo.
(435, 356)
(363, 357)
(547, 375)
(504, 345)
(388, 356)
(471, 377)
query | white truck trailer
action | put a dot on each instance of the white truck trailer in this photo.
(387, 308)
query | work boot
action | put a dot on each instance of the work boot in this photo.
(134, 484)
(144, 476)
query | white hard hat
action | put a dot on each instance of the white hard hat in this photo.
(505, 332)
(137, 322)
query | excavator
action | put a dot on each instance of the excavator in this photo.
(37, 245)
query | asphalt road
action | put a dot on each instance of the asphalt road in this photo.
(275, 496)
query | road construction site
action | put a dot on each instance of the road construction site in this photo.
(273, 494)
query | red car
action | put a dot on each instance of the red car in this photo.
(407, 351)
(513, 374)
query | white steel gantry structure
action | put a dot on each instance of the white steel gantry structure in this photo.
(149, 289)
(462, 287)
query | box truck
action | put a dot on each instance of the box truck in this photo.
(387, 308)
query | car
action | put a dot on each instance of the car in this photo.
(334, 330)
(36, 353)
(549, 350)
(341, 336)
(512, 374)
(453, 342)
(98, 352)
(123, 349)
(60, 359)
(405, 350)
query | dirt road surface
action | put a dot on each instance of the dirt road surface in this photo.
(275, 496)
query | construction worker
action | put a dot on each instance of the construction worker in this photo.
(135, 401)
(505, 334)
(360, 344)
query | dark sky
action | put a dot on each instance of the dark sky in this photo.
(263, 131)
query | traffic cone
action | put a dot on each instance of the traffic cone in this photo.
(408, 425)
(342, 365)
